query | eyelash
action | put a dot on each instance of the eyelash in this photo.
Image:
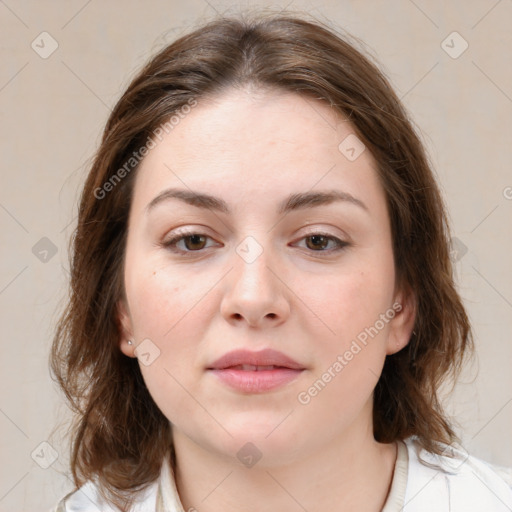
(172, 242)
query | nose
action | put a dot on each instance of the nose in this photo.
(255, 293)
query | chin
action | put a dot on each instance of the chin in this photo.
(257, 437)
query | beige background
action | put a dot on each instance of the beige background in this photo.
(53, 111)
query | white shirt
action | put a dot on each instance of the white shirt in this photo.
(422, 482)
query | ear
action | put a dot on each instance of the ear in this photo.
(125, 329)
(402, 324)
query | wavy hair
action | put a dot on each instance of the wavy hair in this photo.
(119, 436)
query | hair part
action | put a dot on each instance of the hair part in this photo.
(120, 435)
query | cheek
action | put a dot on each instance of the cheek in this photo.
(350, 353)
(172, 309)
(166, 308)
(161, 300)
(351, 299)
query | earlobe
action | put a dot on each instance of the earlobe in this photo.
(125, 329)
(402, 323)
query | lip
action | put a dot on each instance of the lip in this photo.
(266, 357)
(256, 380)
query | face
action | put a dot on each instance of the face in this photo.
(291, 252)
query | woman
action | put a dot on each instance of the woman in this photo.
(262, 305)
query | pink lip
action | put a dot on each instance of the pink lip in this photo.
(256, 381)
(267, 357)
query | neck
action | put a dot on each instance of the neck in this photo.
(353, 473)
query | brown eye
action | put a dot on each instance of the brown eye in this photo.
(317, 242)
(184, 243)
(195, 242)
(323, 243)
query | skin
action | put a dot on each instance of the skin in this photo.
(252, 149)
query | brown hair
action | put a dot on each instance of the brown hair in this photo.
(120, 435)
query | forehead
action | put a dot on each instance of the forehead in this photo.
(242, 121)
(266, 142)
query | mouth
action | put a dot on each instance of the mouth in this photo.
(254, 368)
(256, 379)
(255, 372)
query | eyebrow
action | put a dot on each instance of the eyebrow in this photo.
(295, 201)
